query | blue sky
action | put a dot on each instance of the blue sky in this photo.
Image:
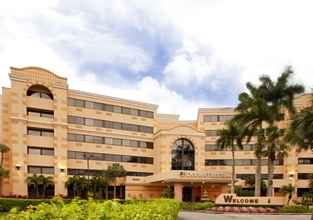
(179, 54)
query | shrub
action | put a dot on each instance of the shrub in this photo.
(197, 205)
(295, 209)
(7, 204)
(307, 199)
(243, 192)
(160, 209)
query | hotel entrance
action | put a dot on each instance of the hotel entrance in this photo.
(191, 194)
(187, 194)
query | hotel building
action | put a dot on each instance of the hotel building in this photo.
(51, 129)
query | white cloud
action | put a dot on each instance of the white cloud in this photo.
(225, 41)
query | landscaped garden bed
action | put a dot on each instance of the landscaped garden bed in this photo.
(159, 209)
(270, 210)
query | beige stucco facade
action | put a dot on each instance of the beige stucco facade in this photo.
(31, 123)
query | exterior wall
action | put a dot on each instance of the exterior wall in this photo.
(167, 129)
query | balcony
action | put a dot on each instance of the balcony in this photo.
(40, 160)
(33, 140)
(39, 103)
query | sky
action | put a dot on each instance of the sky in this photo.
(178, 54)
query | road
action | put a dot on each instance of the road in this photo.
(205, 216)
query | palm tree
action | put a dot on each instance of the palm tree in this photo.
(300, 131)
(98, 183)
(230, 137)
(276, 148)
(34, 181)
(279, 96)
(113, 172)
(76, 184)
(288, 190)
(3, 172)
(253, 113)
(45, 182)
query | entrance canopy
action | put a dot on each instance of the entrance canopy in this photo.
(190, 177)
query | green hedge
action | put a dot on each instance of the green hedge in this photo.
(295, 209)
(7, 204)
(160, 209)
(197, 205)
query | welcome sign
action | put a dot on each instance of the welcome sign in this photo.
(233, 199)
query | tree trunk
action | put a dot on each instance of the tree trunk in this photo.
(270, 171)
(312, 215)
(106, 191)
(258, 176)
(114, 191)
(233, 175)
(37, 191)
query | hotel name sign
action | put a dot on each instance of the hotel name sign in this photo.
(195, 174)
(233, 199)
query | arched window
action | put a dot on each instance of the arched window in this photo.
(39, 91)
(183, 155)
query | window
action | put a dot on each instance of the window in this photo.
(134, 112)
(109, 157)
(109, 124)
(109, 140)
(39, 113)
(117, 141)
(89, 104)
(76, 120)
(212, 147)
(224, 118)
(89, 122)
(40, 170)
(40, 151)
(146, 129)
(39, 91)
(98, 106)
(35, 151)
(302, 191)
(40, 132)
(76, 102)
(183, 155)
(263, 176)
(85, 172)
(126, 110)
(133, 143)
(216, 118)
(210, 118)
(305, 161)
(305, 176)
(107, 107)
(238, 162)
(146, 114)
(211, 133)
(117, 109)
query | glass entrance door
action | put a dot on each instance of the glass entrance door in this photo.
(187, 194)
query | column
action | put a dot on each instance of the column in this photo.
(178, 191)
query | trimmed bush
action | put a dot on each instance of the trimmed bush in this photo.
(160, 209)
(295, 209)
(7, 204)
(197, 205)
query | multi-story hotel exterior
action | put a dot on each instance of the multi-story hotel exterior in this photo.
(53, 130)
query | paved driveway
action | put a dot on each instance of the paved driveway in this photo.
(204, 216)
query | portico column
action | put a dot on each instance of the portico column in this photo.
(178, 191)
